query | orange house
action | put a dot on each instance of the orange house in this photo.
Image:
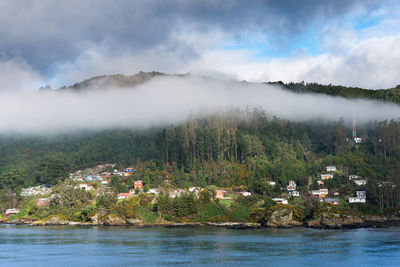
(220, 194)
(138, 184)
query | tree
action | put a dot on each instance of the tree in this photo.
(52, 168)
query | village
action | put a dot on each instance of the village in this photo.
(97, 180)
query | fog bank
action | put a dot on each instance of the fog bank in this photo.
(169, 100)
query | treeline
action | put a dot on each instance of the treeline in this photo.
(389, 95)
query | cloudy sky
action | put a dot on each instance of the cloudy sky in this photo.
(348, 42)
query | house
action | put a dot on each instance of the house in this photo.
(354, 177)
(333, 201)
(194, 189)
(128, 170)
(323, 191)
(326, 176)
(331, 168)
(104, 182)
(12, 211)
(356, 200)
(246, 194)
(360, 182)
(271, 183)
(320, 182)
(42, 202)
(138, 184)
(154, 191)
(220, 194)
(361, 197)
(292, 186)
(361, 194)
(315, 192)
(280, 200)
(124, 195)
(89, 178)
(357, 140)
(176, 193)
(336, 193)
(295, 193)
(86, 187)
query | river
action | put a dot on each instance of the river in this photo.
(205, 246)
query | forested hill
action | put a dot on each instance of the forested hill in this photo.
(122, 81)
(389, 95)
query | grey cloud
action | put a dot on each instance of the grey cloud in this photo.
(47, 32)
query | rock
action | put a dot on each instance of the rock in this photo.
(282, 216)
(114, 220)
(56, 220)
(134, 221)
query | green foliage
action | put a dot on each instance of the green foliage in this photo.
(52, 168)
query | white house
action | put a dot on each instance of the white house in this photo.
(154, 191)
(271, 183)
(357, 140)
(246, 194)
(331, 168)
(361, 194)
(12, 211)
(295, 193)
(356, 200)
(360, 182)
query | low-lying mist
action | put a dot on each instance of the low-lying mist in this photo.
(169, 100)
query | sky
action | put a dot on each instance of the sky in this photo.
(343, 42)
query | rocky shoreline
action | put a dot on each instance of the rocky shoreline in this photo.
(346, 222)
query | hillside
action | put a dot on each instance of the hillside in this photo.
(238, 152)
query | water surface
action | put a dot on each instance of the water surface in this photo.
(207, 246)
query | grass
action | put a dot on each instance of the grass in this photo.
(226, 202)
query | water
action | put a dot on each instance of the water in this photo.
(206, 246)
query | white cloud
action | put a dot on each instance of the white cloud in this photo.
(371, 63)
(18, 75)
